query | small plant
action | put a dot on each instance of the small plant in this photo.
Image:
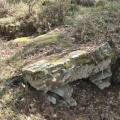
(52, 14)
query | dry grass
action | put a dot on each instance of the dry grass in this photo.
(96, 24)
(36, 17)
(93, 24)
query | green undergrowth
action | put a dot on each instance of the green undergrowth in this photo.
(96, 24)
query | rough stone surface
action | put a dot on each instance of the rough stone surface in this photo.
(118, 75)
(102, 79)
(52, 73)
(64, 92)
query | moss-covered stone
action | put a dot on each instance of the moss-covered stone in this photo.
(72, 66)
(13, 56)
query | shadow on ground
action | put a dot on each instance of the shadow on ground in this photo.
(93, 104)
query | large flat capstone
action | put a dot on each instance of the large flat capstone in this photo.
(53, 72)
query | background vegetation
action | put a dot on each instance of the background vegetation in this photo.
(80, 24)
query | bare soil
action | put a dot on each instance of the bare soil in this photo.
(93, 104)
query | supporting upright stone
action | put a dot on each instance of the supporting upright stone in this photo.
(102, 78)
(65, 93)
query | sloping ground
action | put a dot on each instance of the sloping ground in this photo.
(19, 102)
(93, 104)
(26, 50)
(32, 18)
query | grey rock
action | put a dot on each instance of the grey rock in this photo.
(102, 79)
(64, 92)
(52, 99)
(52, 73)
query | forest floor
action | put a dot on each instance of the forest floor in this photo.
(20, 103)
(92, 25)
